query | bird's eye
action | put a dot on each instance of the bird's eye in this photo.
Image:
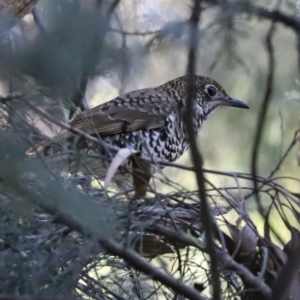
(211, 91)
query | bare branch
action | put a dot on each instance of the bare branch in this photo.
(31, 297)
(124, 252)
(196, 156)
(283, 287)
(135, 33)
(274, 15)
(285, 154)
(290, 272)
(98, 141)
(225, 260)
(78, 100)
(9, 97)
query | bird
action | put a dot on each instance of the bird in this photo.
(148, 121)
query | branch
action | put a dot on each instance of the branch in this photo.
(98, 141)
(135, 33)
(9, 97)
(274, 15)
(126, 253)
(225, 260)
(31, 297)
(283, 285)
(285, 154)
(78, 100)
(196, 156)
(54, 198)
(68, 127)
(263, 111)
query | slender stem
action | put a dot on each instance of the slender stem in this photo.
(196, 155)
(263, 112)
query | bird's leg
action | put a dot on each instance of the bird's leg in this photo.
(141, 177)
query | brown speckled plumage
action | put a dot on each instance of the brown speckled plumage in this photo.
(147, 120)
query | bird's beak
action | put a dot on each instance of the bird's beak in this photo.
(235, 103)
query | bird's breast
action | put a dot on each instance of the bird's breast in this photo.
(166, 143)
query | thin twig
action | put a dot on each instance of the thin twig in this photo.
(225, 260)
(98, 141)
(78, 100)
(290, 271)
(137, 33)
(9, 97)
(274, 15)
(195, 153)
(31, 297)
(285, 154)
(263, 112)
(68, 127)
(129, 255)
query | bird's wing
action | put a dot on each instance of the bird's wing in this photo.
(141, 109)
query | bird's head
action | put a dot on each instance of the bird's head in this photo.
(211, 95)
